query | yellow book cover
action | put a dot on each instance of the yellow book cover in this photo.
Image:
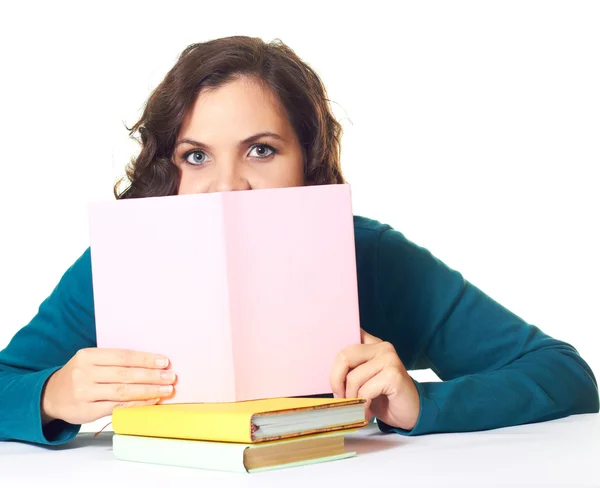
(241, 422)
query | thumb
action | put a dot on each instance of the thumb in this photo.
(367, 338)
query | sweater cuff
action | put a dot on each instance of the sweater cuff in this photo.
(24, 422)
(426, 421)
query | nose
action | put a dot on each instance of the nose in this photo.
(230, 177)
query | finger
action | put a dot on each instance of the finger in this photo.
(383, 383)
(367, 338)
(360, 375)
(346, 360)
(128, 393)
(105, 409)
(116, 374)
(127, 358)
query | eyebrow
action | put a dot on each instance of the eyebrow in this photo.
(248, 140)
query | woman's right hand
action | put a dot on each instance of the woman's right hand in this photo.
(95, 381)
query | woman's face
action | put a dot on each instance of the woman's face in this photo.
(237, 137)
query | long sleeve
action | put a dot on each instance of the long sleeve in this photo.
(63, 324)
(496, 369)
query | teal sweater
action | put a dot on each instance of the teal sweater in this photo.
(496, 369)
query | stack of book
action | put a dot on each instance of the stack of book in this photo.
(246, 436)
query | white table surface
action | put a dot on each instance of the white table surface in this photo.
(560, 453)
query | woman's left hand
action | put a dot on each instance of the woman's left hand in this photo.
(373, 370)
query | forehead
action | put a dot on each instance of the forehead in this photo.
(237, 109)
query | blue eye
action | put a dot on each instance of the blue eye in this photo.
(262, 151)
(196, 158)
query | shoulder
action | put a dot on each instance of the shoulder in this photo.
(385, 254)
(81, 269)
(369, 227)
(394, 257)
(369, 231)
(371, 234)
(76, 283)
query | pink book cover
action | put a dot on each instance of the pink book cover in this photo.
(251, 294)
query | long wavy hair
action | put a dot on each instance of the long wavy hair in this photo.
(214, 63)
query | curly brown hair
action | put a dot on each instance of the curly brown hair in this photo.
(214, 63)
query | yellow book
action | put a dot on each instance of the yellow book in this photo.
(243, 422)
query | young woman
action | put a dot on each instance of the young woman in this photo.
(240, 114)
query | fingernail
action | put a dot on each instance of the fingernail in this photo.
(162, 362)
(168, 375)
(166, 389)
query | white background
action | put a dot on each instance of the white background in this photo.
(471, 127)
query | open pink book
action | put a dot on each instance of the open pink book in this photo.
(250, 294)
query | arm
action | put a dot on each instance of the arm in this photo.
(496, 369)
(63, 325)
